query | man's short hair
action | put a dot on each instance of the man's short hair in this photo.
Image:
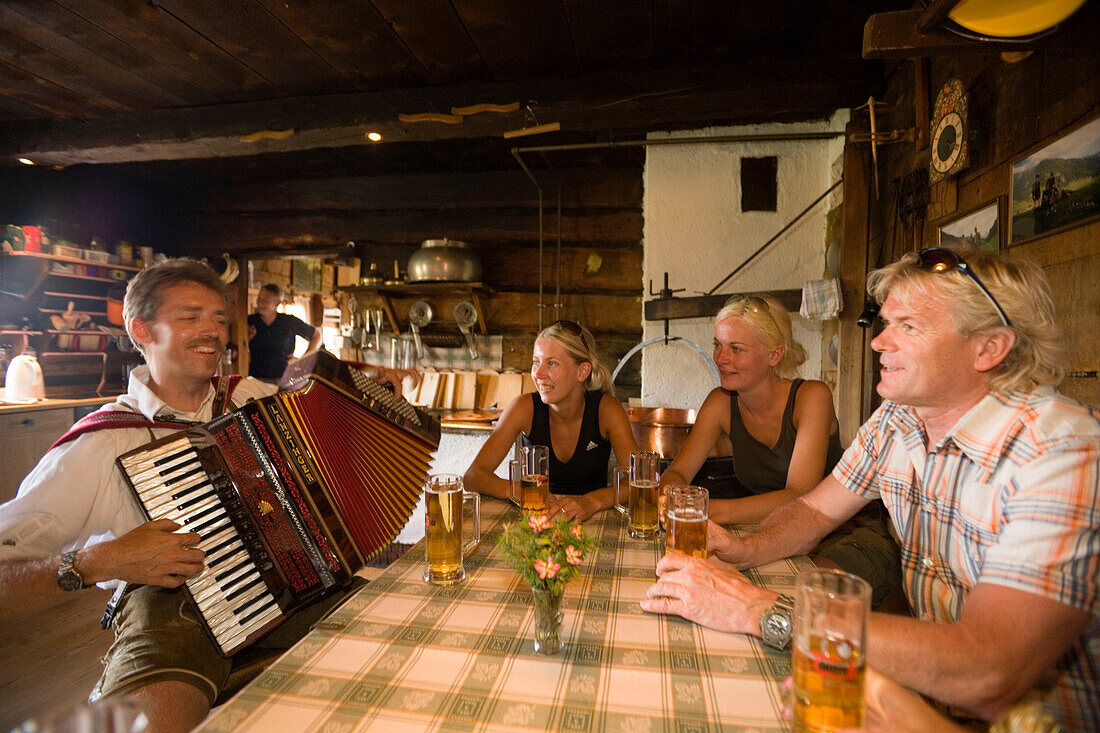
(144, 294)
(274, 289)
(1021, 288)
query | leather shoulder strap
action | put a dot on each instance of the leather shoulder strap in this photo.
(109, 419)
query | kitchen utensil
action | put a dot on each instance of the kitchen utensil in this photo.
(420, 315)
(466, 318)
(375, 315)
(444, 260)
(374, 276)
(23, 382)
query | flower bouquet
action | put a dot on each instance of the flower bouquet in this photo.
(547, 555)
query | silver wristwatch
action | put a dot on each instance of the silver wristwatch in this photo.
(68, 578)
(777, 623)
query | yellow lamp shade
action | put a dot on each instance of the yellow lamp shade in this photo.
(1012, 18)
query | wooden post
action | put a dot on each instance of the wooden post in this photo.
(853, 356)
(238, 293)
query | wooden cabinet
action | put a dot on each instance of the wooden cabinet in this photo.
(27, 437)
(35, 286)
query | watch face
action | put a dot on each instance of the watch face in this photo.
(69, 581)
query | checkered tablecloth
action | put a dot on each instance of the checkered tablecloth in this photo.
(402, 655)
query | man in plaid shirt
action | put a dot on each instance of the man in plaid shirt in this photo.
(990, 477)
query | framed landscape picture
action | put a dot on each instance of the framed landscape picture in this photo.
(981, 228)
(1058, 185)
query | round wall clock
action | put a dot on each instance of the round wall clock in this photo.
(950, 150)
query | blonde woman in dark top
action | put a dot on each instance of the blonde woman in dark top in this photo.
(574, 413)
(784, 433)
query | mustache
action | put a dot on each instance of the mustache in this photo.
(215, 343)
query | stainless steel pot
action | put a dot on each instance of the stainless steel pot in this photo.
(444, 260)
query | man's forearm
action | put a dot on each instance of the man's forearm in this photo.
(28, 585)
(791, 529)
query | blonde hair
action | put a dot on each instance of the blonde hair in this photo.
(581, 347)
(1021, 289)
(772, 325)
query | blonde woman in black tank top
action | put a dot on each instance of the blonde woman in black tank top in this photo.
(566, 370)
(755, 354)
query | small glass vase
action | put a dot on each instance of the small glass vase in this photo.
(548, 617)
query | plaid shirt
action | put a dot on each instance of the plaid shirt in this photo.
(1009, 496)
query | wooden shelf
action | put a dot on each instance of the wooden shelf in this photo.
(388, 293)
(74, 260)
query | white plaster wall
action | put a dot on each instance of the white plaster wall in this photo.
(695, 230)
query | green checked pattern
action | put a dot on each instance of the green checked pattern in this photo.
(401, 655)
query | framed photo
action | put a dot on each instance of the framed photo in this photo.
(1058, 185)
(981, 228)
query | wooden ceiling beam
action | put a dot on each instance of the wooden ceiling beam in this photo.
(781, 90)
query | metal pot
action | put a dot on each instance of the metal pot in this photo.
(444, 260)
(664, 429)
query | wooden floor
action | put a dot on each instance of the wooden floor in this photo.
(50, 661)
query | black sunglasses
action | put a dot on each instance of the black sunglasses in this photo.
(573, 328)
(941, 259)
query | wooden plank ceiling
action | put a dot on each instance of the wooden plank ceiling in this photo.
(111, 81)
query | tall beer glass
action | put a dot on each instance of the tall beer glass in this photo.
(686, 512)
(640, 501)
(444, 549)
(530, 485)
(830, 642)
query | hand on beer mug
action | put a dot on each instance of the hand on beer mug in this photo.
(828, 652)
(686, 520)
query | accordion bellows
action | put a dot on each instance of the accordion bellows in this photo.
(291, 494)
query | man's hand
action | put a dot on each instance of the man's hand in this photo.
(152, 554)
(708, 592)
(395, 378)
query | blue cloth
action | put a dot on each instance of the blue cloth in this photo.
(271, 347)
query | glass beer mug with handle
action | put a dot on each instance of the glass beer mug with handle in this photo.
(639, 501)
(829, 650)
(443, 546)
(685, 522)
(529, 479)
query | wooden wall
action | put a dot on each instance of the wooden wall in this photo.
(1015, 108)
(495, 211)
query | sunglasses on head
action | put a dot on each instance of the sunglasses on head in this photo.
(941, 259)
(573, 328)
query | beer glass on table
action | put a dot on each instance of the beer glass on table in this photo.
(443, 524)
(829, 650)
(639, 501)
(686, 512)
(529, 479)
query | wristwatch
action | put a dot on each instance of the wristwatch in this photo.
(777, 623)
(67, 577)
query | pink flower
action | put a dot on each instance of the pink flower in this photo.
(576, 530)
(539, 522)
(547, 568)
(573, 555)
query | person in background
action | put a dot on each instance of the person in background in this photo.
(271, 335)
(785, 438)
(74, 522)
(575, 413)
(991, 480)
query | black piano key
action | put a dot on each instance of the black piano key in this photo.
(244, 588)
(195, 500)
(201, 515)
(182, 476)
(211, 528)
(262, 609)
(218, 547)
(186, 450)
(191, 489)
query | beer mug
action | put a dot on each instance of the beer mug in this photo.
(639, 501)
(829, 650)
(443, 547)
(529, 479)
(686, 512)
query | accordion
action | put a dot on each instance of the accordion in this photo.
(290, 494)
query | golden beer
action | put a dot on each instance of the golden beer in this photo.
(443, 535)
(534, 493)
(828, 686)
(687, 532)
(644, 497)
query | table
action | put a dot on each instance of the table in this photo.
(403, 655)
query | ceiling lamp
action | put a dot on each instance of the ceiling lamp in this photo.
(1012, 18)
